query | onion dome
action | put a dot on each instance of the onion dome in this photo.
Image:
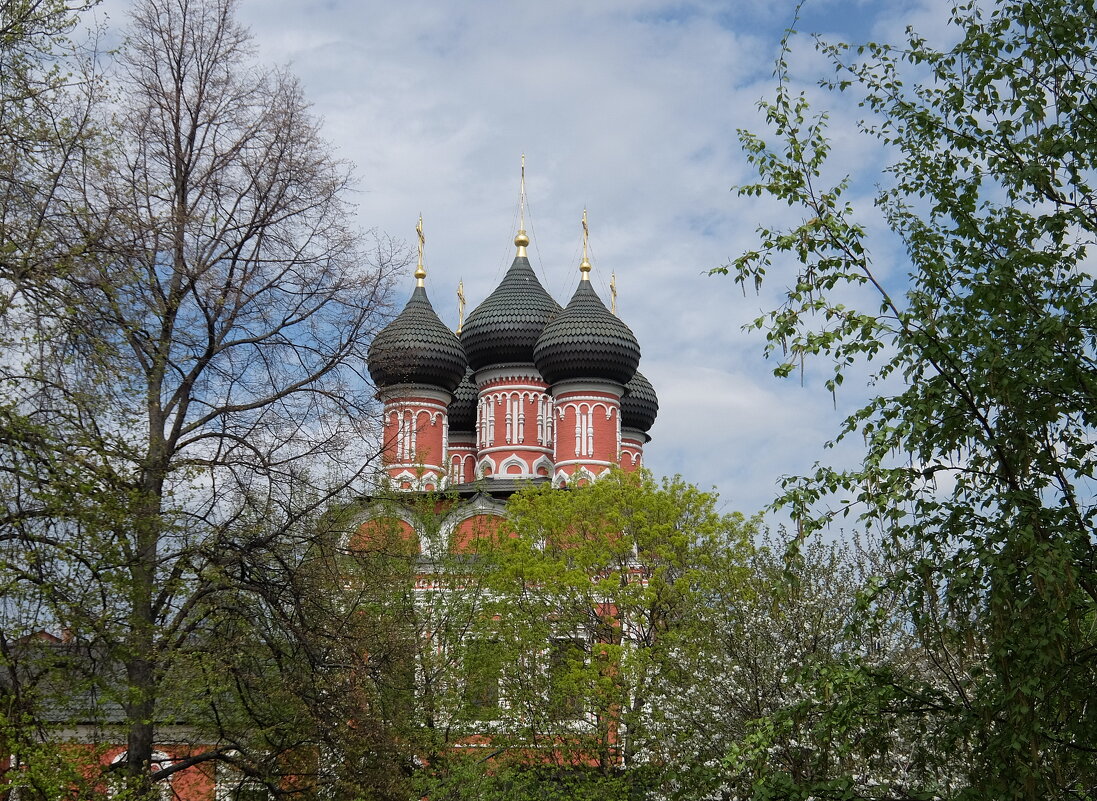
(505, 327)
(639, 406)
(586, 341)
(416, 348)
(462, 410)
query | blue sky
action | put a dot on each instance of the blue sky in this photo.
(628, 108)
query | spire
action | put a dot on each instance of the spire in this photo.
(420, 273)
(520, 239)
(613, 293)
(584, 265)
(460, 306)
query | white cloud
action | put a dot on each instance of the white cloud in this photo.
(627, 108)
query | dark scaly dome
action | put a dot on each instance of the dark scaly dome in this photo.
(639, 406)
(416, 348)
(462, 410)
(505, 327)
(586, 341)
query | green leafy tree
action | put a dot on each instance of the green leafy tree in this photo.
(597, 593)
(413, 600)
(977, 470)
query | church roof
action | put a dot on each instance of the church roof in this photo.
(586, 341)
(417, 348)
(505, 327)
(462, 410)
(640, 405)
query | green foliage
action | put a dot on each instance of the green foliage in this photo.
(977, 472)
(38, 770)
(177, 319)
(596, 595)
(421, 682)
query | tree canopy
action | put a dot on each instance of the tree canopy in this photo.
(977, 471)
(188, 305)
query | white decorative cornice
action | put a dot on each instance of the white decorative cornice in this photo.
(512, 374)
(400, 392)
(480, 504)
(563, 477)
(634, 435)
(587, 385)
(382, 509)
(583, 463)
(516, 449)
(585, 403)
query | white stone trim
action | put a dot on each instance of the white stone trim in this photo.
(376, 510)
(399, 392)
(512, 448)
(511, 374)
(480, 504)
(514, 459)
(585, 400)
(582, 462)
(584, 421)
(419, 478)
(562, 477)
(587, 385)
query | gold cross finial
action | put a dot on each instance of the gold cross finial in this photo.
(420, 273)
(460, 306)
(613, 292)
(584, 265)
(520, 239)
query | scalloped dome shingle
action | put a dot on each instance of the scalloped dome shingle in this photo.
(586, 341)
(505, 327)
(416, 348)
(639, 405)
(462, 410)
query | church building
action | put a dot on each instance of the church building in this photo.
(524, 391)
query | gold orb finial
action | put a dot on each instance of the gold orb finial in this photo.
(584, 265)
(521, 241)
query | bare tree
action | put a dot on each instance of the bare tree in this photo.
(204, 394)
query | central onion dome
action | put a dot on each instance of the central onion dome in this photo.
(462, 410)
(416, 348)
(639, 405)
(505, 327)
(586, 341)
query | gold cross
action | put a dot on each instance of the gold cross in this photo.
(460, 305)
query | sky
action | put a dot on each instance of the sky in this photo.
(629, 109)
